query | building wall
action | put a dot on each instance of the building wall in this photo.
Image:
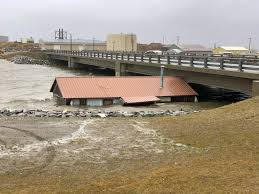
(27, 40)
(75, 47)
(122, 42)
(4, 38)
(221, 51)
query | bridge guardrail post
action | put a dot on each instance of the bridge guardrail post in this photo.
(111, 55)
(135, 57)
(128, 57)
(179, 60)
(240, 65)
(116, 56)
(150, 59)
(102, 54)
(106, 55)
(192, 61)
(122, 56)
(142, 57)
(158, 59)
(168, 59)
(206, 62)
(221, 63)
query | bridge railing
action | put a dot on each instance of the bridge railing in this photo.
(213, 62)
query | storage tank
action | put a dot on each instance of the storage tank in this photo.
(122, 42)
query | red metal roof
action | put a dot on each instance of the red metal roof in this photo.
(117, 87)
(134, 100)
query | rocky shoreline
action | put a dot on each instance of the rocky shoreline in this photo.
(29, 60)
(88, 114)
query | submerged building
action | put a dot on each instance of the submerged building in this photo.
(103, 91)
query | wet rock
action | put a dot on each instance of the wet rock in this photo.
(89, 114)
(29, 60)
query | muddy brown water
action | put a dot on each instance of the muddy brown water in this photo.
(29, 145)
(27, 86)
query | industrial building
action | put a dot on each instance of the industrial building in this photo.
(103, 91)
(230, 50)
(75, 45)
(122, 42)
(4, 38)
(188, 49)
(27, 40)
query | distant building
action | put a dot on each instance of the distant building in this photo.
(230, 50)
(188, 49)
(4, 38)
(77, 45)
(122, 42)
(27, 40)
(100, 91)
(148, 47)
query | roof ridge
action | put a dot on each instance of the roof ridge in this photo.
(114, 76)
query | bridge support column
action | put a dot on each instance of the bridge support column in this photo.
(120, 69)
(255, 88)
(71, 63)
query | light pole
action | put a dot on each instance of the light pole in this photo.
(71, 42)
(93, 43)
(250, 43)
(113, 45)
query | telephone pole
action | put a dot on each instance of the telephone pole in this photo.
(93, 43)
(250, 44)
(178, 40)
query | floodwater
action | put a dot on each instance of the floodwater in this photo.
(56, 146)
(28, 87)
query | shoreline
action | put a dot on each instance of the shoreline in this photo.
(90, 114)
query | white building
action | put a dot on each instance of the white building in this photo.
(27, 40)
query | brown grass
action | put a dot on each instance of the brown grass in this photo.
(228, 137)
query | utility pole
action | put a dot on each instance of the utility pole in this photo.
(215, 45)
(132, 42)
(250, 44)
(113, 43)
(71, 42)
(93, 43)
(178, 40)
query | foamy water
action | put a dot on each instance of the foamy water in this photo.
(27, 150)
(28, 85)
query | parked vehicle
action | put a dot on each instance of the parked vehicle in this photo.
(153, 52)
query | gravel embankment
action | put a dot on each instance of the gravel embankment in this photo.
(28, 60)
(89, 114)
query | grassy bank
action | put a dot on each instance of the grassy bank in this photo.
(226, 139)
(229, 134)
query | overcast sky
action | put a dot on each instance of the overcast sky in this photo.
(225, 22)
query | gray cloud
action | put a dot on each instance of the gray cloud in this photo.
(226, 22)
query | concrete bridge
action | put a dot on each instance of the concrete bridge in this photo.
(238, 74)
